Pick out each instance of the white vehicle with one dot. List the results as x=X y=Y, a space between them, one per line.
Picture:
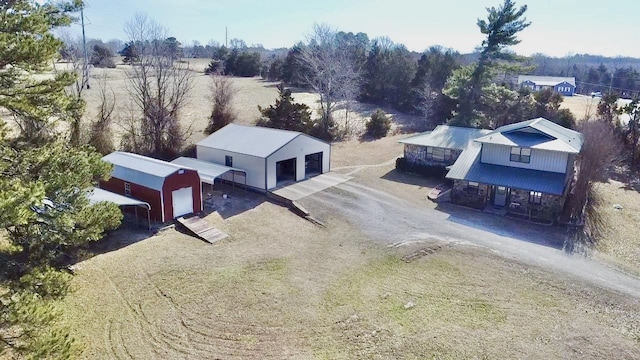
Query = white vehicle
x=596 y=94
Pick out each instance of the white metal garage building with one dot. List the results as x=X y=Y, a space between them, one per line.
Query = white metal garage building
x=270 y=157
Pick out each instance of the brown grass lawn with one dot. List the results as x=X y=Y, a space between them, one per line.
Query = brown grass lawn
x=280 y=287
x=289 y=289
x=620 y=239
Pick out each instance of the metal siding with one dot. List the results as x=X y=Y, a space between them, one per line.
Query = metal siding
x=150 y=196
x=540 y=159
x=254 y=166
x=298 y=148
x=177 y=181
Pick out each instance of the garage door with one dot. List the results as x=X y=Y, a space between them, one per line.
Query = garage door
x=182 y=202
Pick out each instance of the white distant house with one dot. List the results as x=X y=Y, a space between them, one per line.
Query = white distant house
x=563 y=85
x=269 y=157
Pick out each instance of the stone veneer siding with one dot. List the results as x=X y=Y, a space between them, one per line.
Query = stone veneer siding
x=549 y=208
x=417 y=155
x=461 y=195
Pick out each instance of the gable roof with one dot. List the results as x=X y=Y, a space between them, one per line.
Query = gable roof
x=469 y=168
x=444 y=136
x=140 y=169
x=546 y=80
x=550 y=136
x=250 y=140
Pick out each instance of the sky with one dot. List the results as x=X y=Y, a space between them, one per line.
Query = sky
x=558 y=27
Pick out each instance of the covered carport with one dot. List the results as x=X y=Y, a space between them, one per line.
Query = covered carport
x=97 y=195
x=209 y=171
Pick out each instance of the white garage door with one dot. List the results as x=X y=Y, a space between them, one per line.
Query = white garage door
x=182 y=202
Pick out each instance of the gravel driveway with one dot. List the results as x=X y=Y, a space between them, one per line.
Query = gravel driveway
x=385 y=218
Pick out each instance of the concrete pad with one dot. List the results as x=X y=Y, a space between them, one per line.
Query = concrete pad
x=310 y=186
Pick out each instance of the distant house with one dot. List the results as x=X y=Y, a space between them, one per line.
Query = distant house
x=269 y=157
x=563 y=85
x=524 y=168
x=440 y=147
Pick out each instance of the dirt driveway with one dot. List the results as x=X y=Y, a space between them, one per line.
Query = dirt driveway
x=382 y=216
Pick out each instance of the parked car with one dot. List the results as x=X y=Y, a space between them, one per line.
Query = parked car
x=596 y=94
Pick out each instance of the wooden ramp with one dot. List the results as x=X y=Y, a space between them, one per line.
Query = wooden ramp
x=202 y=229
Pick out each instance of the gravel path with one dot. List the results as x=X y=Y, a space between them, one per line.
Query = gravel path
x=385 y=218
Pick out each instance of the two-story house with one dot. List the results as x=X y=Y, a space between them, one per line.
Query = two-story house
x=440 y=147
x=525 y=168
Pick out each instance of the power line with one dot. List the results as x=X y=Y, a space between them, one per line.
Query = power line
x=85 y=70
x=604 y=85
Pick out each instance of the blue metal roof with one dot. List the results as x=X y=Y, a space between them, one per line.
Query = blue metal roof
x=468 y=167
x=546 y=135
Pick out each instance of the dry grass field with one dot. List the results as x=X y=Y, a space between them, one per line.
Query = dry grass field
x=281 y=287
x=619 y=243
x=250 y=93
x=289 y=289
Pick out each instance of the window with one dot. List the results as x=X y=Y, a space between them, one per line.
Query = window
x=535 y=197
x=127 y=189
x=522 y=155
x=228 y=161
x=471 y=187
x=439 y=154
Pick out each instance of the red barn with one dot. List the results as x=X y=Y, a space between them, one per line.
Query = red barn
x=170 y=189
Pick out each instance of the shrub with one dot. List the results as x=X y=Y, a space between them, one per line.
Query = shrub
x=434 y=171
x=379 y=124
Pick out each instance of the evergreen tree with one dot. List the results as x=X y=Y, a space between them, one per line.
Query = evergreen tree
x=286 y=114
x=379 y=124
x=43 y=181
x=501 y=27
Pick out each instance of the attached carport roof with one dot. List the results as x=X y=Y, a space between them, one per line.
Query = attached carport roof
x=208 y=171
x=96 y=195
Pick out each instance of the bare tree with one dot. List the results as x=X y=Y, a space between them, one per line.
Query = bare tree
x=600 y=151
x=426 y=102
x=72 y=52
x=101 y=136
x=159 y=88
x=330 y=72
x=222 y=93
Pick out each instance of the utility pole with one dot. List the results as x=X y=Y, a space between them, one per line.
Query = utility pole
x=226 y=36
x=85 y=68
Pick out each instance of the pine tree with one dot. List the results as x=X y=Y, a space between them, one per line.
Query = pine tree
x=286 y=114
x=43 y=180
x=501 y=27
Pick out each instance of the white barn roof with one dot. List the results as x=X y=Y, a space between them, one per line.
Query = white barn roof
x=250 y=140
x=140 y=169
